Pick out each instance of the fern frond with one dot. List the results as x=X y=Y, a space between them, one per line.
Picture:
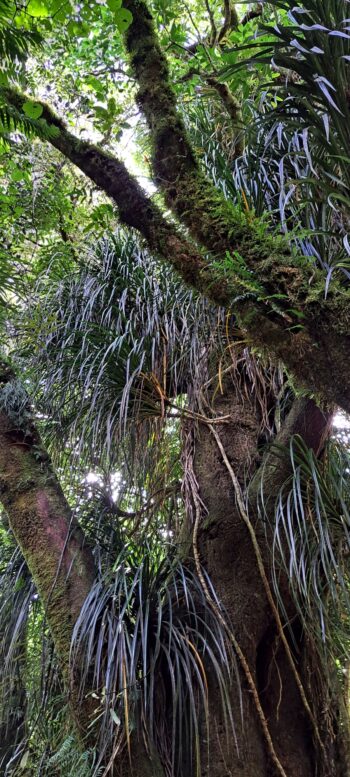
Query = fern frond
x=71 y=761
x=15 y=44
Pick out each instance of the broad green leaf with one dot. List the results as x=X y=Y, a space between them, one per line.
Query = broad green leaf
x=32 y=109
x=77 y=29
x=17 y=174
x=123 y=19
x=95 y=83
x=60 y=9
x=38 y=8
x=112 y=105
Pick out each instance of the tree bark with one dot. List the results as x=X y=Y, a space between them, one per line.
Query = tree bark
x=228 y=555
x=49 y=537
x=269 y=266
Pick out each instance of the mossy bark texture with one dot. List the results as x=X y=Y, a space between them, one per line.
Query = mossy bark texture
x=135 y=208
x=54 y=549
x=50 y=539
x=228 y=555
x=303 y=327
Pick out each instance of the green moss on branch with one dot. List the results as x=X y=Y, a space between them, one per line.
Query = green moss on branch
x=288 y=314
x=269 y=288
x=50 y=539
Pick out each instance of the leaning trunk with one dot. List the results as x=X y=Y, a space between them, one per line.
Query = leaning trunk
x=47 y=533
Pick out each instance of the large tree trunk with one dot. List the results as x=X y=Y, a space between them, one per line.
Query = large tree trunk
x=227 y=552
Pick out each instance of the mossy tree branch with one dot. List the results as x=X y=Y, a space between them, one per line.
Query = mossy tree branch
x=232 y=238
x=211 y=220
x=225 y=231
x=231 y=20
x=135 y=208
x=138 y=211
x=48 y=535
x=54 y=548
x=233 y=109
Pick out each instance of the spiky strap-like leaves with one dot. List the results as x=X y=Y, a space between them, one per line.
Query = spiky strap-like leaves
x=147 y=637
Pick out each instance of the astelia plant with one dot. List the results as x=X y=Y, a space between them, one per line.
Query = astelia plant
x=146 y=639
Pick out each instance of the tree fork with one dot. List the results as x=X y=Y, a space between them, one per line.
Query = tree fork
x=308 y=349
x=303 y=320
x=227 y=553
x=212 y=221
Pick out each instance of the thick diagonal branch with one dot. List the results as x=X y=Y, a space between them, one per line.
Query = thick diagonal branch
x=227 y=232
x=308 y=352
x=231 y=20
x=212 y=221
x=135 y=208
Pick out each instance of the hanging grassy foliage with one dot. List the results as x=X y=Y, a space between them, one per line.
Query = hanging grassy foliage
x=146 y=638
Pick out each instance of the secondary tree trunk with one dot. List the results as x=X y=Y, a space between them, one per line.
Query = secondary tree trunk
x=227 y=553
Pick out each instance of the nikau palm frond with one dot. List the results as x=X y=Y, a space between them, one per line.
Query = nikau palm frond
x=145 y=639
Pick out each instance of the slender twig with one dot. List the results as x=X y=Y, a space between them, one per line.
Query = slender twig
x=230 y=21
x=213 y=37
x=254 y=13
